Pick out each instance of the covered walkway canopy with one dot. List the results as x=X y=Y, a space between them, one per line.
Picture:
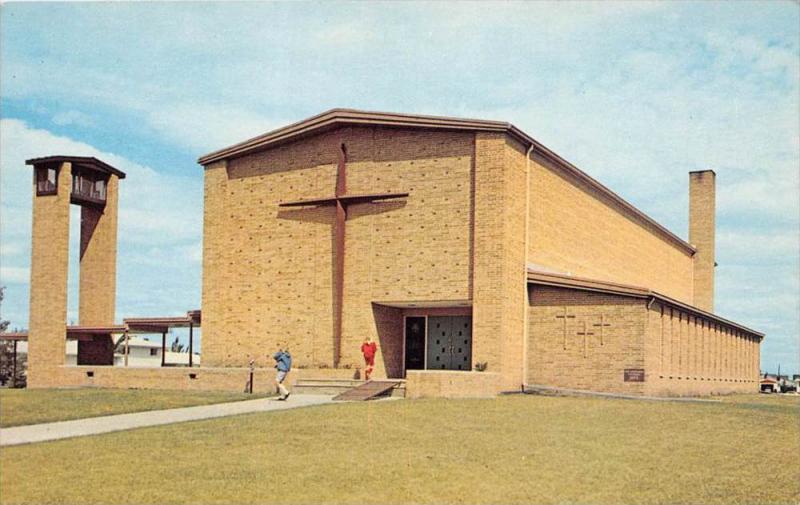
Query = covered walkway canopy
x=161 y=325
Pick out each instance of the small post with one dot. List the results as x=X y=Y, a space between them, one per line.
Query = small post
x=126 y=347
x=252 y=367
x=14 y=367
x=191 y=345
x=163 y=347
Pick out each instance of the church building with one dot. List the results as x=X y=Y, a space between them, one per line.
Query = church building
x=477 y=259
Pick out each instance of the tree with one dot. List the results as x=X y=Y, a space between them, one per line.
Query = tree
x=177 y=346
x=3 y=323
x=10 y=369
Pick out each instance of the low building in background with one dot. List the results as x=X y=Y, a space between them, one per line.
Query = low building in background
x=144 y=353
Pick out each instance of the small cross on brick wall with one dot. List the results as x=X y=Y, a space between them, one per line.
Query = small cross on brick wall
x=585 y=333
x=602 y=325
x=565 y=316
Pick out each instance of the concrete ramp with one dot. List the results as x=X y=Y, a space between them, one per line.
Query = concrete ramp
x=367 y=391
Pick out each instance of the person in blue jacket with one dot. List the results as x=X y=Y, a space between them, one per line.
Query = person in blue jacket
x=283 y=363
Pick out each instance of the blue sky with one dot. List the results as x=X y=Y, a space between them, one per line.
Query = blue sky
x=635 y=93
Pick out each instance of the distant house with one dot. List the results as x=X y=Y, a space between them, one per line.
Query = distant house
x=769 y=385
x=142 y=353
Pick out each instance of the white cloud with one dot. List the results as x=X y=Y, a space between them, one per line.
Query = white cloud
x=736 y=49
x=758 y=245
x=9 y=248
x=16 y=275
x=346 y=34
x=73 y=117
x=206 y=127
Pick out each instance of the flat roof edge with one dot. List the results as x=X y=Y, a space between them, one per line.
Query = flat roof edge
x=586 y=284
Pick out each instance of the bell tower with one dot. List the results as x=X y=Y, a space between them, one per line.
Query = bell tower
x=59 y=181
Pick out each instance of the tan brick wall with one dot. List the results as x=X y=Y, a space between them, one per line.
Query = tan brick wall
x=449 y=384
x=489 y=250
x=702 y=222
x=215 y=263
x=574 y=229
x=558 y=356
x=514 y=273
x=98 y=261
x=691 y=355
x=205 y=378
x=499 y=261
x=267 y=270
x=48 y=296
x=389 y=325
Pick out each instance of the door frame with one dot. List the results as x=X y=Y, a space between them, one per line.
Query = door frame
x=425 y=354
x=433 y=311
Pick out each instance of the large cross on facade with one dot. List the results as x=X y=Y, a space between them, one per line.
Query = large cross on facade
x=340 y=200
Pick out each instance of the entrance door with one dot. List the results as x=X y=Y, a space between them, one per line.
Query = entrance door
x=415 y=343
x=449 y=343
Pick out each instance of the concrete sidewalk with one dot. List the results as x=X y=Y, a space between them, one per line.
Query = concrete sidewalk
x=106 y=424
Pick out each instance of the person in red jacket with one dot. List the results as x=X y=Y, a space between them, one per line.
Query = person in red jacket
x=368 y=349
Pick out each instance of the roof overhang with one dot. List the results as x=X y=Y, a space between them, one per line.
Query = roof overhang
x=89 y=162
x=73 y=332
x=14 y=335
x=424 y=304
x=585 y=284
x=349 y=117
x=162 y=324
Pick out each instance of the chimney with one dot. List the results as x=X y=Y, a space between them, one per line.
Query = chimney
x=702 y=209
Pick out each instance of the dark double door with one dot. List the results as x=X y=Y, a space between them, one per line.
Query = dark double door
x=438 y=343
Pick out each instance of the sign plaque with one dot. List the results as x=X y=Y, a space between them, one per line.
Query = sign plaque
x=634 y=375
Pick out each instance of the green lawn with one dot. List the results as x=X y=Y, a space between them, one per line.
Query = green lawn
x=30 y=406
x=514 y=449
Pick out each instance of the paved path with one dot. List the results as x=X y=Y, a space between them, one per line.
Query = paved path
x=106 y=424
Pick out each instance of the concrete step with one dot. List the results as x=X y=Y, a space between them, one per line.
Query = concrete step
x=339 y=386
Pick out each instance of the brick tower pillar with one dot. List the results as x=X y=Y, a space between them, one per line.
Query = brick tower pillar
x=702 y=209
x=91 y=184
x=98 y=277
x=98 y=260
x=49 y=264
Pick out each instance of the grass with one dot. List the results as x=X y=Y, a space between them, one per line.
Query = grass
x=31 y=406
x=514 y=449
